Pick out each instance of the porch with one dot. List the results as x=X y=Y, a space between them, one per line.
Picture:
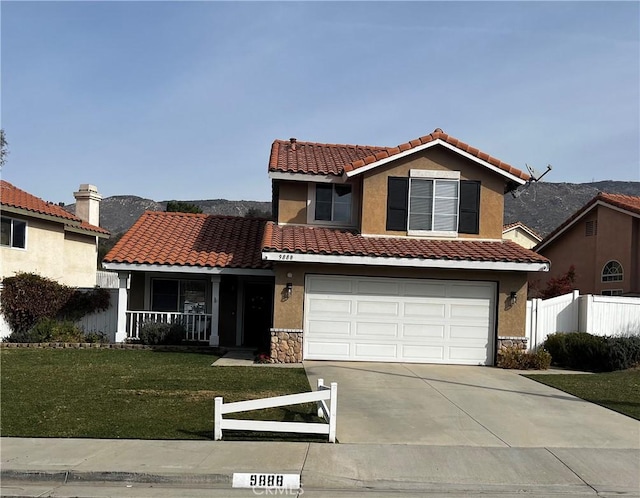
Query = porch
x=197 y=325
x=230 y=309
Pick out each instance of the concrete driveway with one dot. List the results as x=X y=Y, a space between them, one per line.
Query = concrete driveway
x=464 y=405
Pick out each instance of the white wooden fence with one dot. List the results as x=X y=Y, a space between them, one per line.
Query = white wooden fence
x=328 y=412
x=104 y=322
x=598 y=315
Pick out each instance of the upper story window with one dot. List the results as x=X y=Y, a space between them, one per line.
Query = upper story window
x=14 y=233
x=612 y=272
x=433 y=203
x=333 y=203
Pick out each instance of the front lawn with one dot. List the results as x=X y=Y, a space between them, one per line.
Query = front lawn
x=618 y=391
x=141 y=394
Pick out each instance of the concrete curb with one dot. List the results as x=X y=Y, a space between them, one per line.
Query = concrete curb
x=64 y=477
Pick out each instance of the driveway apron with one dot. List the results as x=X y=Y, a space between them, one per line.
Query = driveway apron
x=453 y=405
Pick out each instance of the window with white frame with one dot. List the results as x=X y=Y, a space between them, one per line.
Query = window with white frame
x=612 y=272
x=13 y=233
x=333 y=203
x=433 y=205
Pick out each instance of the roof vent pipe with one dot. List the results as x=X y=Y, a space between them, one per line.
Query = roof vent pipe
x=293 y=143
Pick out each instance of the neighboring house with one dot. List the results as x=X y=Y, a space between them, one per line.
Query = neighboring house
x=602 y=241
x=41 y=237
x=521 y=234
x=381 y=254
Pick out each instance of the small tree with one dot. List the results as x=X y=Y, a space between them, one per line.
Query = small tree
x=182 y=207
x=257 y=213
x=558 y=286
x=3 y=148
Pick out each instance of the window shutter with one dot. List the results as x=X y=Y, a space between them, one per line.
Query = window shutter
x=397 y=200
x=469 y=207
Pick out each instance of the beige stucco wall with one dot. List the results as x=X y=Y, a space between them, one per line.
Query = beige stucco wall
x=292 y=204
x=520 y=237
x=616 y=239
x=67 y=258
x=289 y=314
x=374 y=191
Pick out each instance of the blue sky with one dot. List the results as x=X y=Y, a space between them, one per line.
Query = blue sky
x=182 y=100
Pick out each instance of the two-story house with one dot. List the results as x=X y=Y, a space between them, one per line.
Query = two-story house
x=602 y=242
x=374 y=253
x=42 y=237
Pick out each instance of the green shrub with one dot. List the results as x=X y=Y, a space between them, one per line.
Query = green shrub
x=154 y=333
x=622 y=352
x=578 y=350
x=515 y=357
x=28 y=298
x=584 y=351
x=51 y=330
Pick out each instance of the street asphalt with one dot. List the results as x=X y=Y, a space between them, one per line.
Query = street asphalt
x=495 y=453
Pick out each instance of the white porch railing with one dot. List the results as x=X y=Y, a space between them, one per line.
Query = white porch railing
x=198 y=325
x=328 y=412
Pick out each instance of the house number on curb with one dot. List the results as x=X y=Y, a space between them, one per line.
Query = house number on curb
x=286 y=481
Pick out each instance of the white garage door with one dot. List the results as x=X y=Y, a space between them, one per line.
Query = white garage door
x=398 y=319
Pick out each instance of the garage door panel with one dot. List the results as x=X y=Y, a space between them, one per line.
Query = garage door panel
x=424 y=310
x=376 y=351
x=329 y=285
x=374 y=287
x=325 y=349
x=468 y=332
x=462 y=354
x=372 y=329
x=398 y=319
x=335 y=306
x=425 y=289
x=382 y=308
x=480 y=310
x=422 y=330
x=330 y=328
x=418 y=352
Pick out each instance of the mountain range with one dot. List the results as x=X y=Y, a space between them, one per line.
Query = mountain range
x=542 y=206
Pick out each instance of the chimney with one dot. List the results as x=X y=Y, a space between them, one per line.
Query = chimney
x=88 y=204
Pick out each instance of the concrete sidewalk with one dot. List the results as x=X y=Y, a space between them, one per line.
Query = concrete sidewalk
x=347 y=467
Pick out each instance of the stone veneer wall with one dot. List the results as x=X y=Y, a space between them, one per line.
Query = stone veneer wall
x=286 y=345
x=508 y=342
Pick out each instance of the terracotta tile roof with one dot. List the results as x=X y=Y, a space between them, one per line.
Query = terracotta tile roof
x=329 y=241
x=12 y=196
x=160 y=238
x=332 y=159
x=314 y=158
x=626 y=202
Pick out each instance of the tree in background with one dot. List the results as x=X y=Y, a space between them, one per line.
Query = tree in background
x=257 y=213
x=557 y=286
x=182 y=207
x=3 y=148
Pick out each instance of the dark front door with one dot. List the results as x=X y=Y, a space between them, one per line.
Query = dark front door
x=258 y=305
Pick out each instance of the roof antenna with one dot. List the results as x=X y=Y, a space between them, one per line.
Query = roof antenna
x=533 y=179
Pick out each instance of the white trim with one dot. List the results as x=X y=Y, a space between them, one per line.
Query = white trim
x=422 y=147
x=434 y=233
x=417 y=237
x=582 y=215
x=306 y=177
x=186 y=269
x=289 y=257
x=434 y=173
x=524 y=228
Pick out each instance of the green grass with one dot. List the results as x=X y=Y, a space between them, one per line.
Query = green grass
x=618 y=391
x=140 y=394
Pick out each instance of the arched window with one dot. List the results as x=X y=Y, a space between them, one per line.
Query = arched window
x=612 y=272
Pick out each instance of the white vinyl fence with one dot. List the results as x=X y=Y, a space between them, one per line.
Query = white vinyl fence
x=104 y=322
x=598 y=315
x=326 y=411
